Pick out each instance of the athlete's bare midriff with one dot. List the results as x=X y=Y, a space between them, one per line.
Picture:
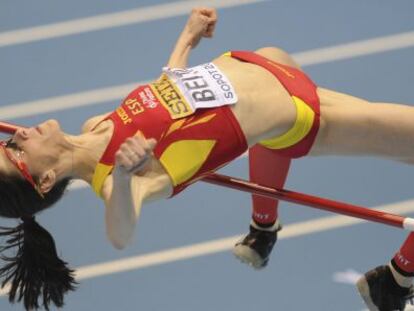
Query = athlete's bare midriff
x=264 y=108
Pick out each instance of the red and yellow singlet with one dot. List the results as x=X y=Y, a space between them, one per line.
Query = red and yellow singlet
x=189 y=144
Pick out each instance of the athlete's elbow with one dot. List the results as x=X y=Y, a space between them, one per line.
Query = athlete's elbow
x=119 y=235
x=119 y=229
x=119 y=242
x=119 y=245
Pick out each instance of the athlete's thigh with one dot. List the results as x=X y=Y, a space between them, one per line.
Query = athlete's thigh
x=353 y=126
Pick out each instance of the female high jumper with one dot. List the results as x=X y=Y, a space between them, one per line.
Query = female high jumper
x=168 y=134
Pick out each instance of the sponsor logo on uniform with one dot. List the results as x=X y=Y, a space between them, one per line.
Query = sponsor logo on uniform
x=130 y=107
x=285 y=71
x=261 y=216
x=123 y=115
x=171 y=98
x=220 y=80
x=404 y=261
x=148 y=98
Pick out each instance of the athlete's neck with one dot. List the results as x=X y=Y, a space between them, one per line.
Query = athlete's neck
x=86 y=152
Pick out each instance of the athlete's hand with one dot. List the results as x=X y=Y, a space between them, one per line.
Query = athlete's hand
x=201 y=23
x=133 y=155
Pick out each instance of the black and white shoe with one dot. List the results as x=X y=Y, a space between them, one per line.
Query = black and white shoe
x=255 y=248
x=381 y=292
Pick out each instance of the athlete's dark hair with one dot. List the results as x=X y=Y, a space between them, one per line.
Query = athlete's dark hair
x=35 y=270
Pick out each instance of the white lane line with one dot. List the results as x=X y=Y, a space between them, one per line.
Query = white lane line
x=111 y=20
x=57 y=103
x=224 y=244
x=101 y=95
x=349 y=276
x=357 y=48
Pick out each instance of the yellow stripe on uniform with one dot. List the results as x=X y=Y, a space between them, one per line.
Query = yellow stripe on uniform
x=182 y=159
x=302 y=126
x=99 y=176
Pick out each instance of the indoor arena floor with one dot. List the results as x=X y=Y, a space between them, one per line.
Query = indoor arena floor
x=74 y=59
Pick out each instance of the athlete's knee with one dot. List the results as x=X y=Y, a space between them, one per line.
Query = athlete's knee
x=278 y=55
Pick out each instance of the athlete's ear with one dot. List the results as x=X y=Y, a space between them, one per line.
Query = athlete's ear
x=47 y=180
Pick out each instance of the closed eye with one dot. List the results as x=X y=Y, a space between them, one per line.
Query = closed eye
x=12 y=145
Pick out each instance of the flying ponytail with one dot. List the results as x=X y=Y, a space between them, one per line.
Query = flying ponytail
x=29 y=262
x=36 y=269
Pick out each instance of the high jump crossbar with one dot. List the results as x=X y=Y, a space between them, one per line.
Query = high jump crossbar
x=356 y=211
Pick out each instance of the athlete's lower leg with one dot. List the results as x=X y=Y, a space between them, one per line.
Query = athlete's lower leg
x=388 y=287
x=403 y=262
x=268 y=169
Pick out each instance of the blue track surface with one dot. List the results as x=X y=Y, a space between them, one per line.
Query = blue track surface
x=300 y=274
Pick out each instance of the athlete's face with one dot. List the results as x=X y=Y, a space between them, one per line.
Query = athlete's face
x=36 y=147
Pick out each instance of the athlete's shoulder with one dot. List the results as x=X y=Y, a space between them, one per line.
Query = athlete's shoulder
x=92 y=122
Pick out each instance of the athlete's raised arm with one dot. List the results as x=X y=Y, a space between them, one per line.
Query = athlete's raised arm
x=125 y=191
x=201 y=23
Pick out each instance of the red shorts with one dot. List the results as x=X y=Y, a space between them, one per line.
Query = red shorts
x=298 y=141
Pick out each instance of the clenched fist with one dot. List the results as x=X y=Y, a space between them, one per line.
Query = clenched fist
x=201 y=23
x=133 y=154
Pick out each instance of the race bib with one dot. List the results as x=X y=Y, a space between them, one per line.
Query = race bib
x=171 y=97
x=203 y=86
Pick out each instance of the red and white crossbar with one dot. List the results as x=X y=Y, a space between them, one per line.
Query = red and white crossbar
x=8 y=128
x=406 y=223
x=312 y=201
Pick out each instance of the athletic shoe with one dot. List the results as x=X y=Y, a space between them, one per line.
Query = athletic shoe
x=381 y=292
x=255 y=248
